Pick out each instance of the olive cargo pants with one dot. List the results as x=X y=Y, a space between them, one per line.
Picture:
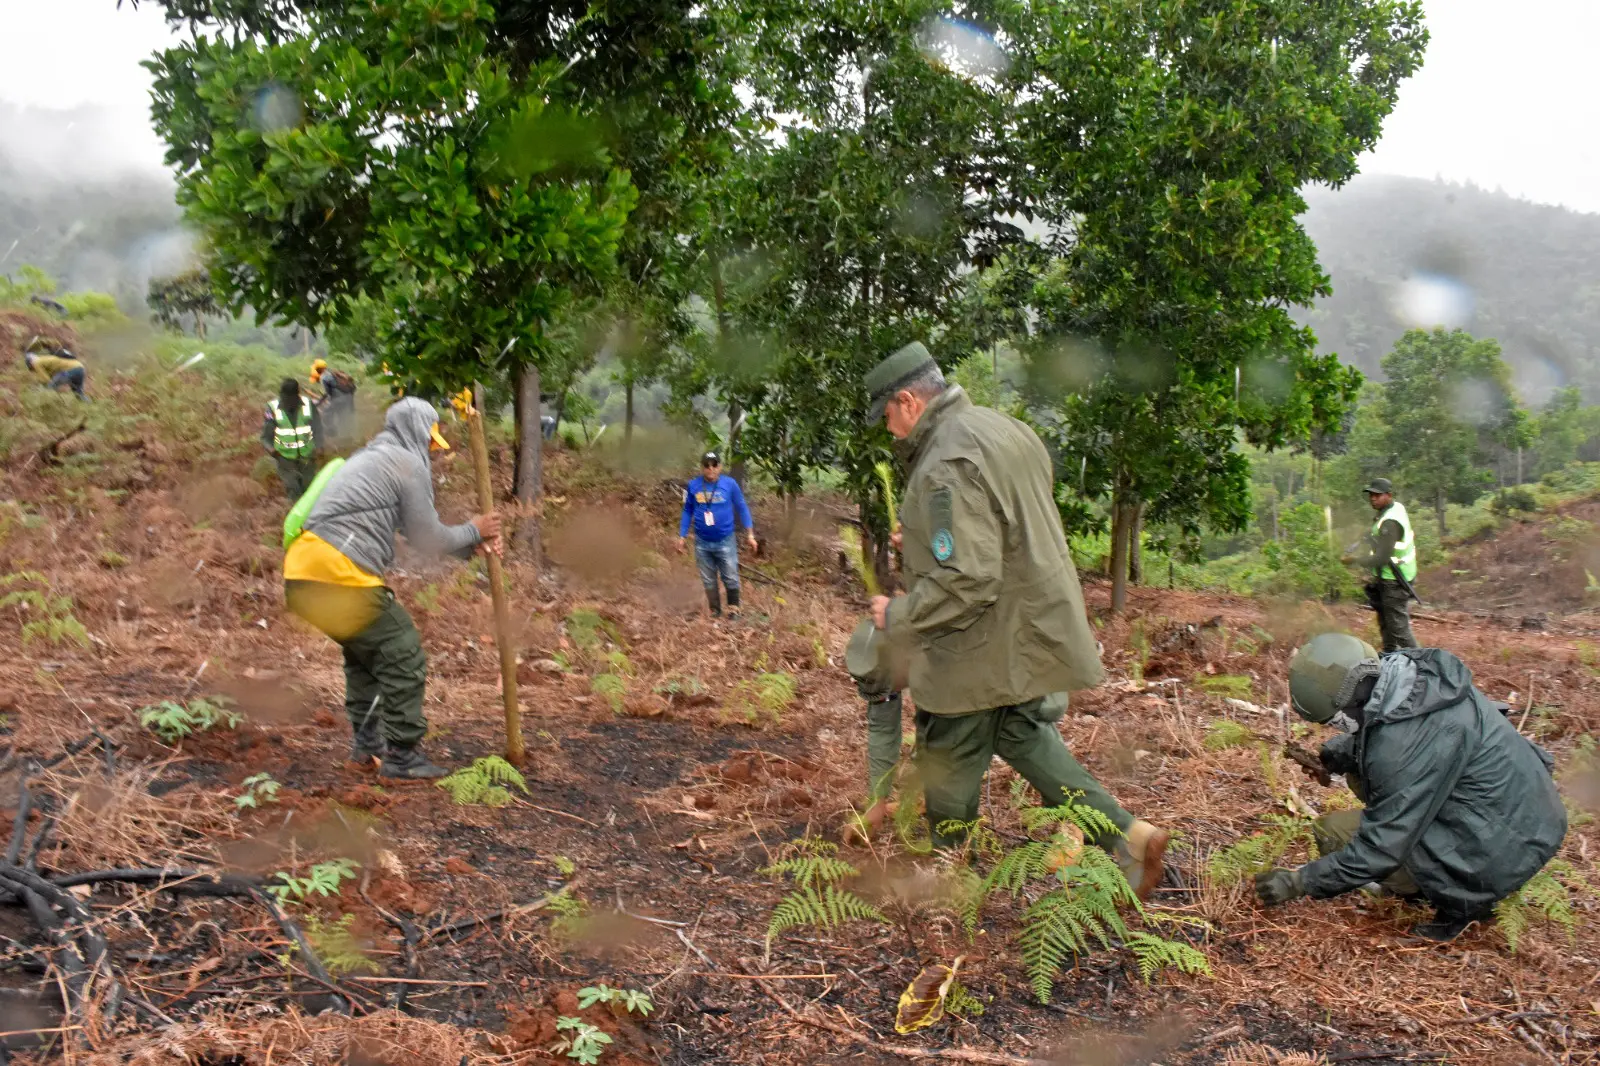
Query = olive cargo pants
x=1393 y=604
x=954 y=751
x=1335 y=829
x=883 y=746
x=296 y=475
x=385 y=668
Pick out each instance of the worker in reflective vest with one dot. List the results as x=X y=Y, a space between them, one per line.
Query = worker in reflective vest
x=1393 y=558
x=291 y=432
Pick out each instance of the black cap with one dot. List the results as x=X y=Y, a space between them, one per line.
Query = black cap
x=711 y=459
x=1379 y=486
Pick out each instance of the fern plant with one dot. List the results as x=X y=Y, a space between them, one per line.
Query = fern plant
x=812 y=864
x=1547 y=895
x=336 y=947
x=1084 y=905
x=483 y=783
x=1260 y=851
x=571 y=914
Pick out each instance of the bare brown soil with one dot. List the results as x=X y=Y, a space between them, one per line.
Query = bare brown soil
x=659 y=816
x=1543 y=565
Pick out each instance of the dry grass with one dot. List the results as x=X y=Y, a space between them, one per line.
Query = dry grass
x=1262 y=1055
x=105 y=823
x=255 y=1038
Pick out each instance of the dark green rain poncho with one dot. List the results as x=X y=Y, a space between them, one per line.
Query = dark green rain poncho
x=1453 y=792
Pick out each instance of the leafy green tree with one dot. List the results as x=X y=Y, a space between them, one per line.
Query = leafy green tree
x=466 y=167
x=1562 y=429
x=188 y=295
x=1176 y=167
x=1447 y=403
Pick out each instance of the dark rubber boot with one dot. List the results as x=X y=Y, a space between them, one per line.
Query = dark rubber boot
x=714 y=601
x=409 y=764
x=733 y=603
x=1446 y=927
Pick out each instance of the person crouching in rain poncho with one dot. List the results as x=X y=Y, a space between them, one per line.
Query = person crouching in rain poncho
x=1461 y=809
x=333 y=578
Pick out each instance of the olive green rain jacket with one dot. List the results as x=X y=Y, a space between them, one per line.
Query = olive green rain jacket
x=1454 y=793
x=993 y=614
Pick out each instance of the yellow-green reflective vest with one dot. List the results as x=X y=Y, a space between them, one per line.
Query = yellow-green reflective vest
x=1405 y=549
x=293 y=441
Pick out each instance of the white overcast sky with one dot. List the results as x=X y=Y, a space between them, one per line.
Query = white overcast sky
x=1508 y=97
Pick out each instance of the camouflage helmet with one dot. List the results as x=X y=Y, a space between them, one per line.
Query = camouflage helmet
x=1318 y=671
x=879 y=669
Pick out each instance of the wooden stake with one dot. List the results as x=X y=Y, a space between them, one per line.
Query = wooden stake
x=497 y=587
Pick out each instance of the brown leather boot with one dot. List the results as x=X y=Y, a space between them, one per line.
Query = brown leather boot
x=1139 y=855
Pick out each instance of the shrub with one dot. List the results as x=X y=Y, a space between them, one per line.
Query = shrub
x=1303 y=563
x=1514 y=499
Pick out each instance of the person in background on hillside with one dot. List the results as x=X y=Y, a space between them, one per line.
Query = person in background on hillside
x=291 y=432
x=338 y=404
x=1391 y=554
x=711 y=502
x=993 y=622
x=57 y=369
x=1461 y=809
x=333 y=578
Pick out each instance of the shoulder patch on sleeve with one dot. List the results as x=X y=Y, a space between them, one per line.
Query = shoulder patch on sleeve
x=941 y=509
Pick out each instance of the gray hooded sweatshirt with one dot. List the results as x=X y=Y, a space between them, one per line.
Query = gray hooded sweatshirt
x=387 y=488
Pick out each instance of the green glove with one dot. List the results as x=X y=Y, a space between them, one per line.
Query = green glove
x=1279 y=886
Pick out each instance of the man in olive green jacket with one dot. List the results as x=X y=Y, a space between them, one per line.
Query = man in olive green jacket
x=994 y=617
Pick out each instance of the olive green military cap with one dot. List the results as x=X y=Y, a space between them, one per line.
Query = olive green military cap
x=894 y=374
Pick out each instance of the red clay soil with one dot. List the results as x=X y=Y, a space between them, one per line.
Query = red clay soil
x=660 y=817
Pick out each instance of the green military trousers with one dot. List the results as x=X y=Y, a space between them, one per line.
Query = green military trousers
x=1335 y=829
x=385 y=668
x=883 y=746
x=1392 y=603
x=296 y=475
x=954 y=751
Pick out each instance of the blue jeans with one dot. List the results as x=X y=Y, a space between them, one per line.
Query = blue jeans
x=718 y=557
x=72 y=379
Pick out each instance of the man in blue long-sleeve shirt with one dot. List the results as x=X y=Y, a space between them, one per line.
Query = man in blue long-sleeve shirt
x=711 y=502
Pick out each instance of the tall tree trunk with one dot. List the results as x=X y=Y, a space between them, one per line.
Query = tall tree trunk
x=1136 y=546
x=719 y=302
x=305 y=341
x=627 y=425
x=200 y=325
x=1438 y=509
x=876 y=552
x=1121 y=524
x=737 y=467
x=528 y=475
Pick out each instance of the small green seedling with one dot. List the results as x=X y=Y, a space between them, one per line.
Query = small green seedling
x=172 y=721
x=633 y=1002
x=586 y=1042
x=258 y=789
x=324 y=879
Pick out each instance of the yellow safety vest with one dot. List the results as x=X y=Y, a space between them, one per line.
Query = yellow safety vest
x=1405 y=549
x=293 y=440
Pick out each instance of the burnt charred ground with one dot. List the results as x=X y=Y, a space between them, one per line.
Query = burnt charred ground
x=657 y=803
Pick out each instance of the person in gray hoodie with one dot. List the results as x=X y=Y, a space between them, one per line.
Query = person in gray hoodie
x=333 y=578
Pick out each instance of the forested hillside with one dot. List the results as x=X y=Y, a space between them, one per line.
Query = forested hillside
x=1530 y=271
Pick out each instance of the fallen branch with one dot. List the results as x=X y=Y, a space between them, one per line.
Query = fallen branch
x=318 y=972
x=761 y=575
x=493 y=916
x=50 y=455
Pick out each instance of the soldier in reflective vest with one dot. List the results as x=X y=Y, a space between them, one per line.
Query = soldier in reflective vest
x=291 y=432
x=1392 y=556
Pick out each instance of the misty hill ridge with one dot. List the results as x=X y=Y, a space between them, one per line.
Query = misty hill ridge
x=1533 y=272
